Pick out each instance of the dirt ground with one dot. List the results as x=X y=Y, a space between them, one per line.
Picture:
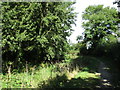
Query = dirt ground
x=106 y=77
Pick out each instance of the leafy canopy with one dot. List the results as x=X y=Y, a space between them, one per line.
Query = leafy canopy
x=36 y=30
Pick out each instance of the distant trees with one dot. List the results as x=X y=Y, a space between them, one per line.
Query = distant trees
x=36 y=31
x=101 y=32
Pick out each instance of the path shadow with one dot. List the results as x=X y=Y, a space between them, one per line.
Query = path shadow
x=112 y=68
x=63 y=82
x=91 y=64
x=87 y=63
x=84 y=63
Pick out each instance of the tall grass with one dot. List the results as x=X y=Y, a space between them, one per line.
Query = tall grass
x=40 y=76
x=28 y=79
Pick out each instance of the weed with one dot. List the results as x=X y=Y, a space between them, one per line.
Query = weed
x=63 y=74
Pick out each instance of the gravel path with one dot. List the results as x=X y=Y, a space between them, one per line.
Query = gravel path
x=105 y=81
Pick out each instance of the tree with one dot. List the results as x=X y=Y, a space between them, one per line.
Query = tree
x=36 y=30
x=99 y=23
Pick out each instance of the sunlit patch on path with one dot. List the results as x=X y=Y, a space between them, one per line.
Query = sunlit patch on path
x=105 y=81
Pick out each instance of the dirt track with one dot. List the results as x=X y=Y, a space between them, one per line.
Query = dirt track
x=105 y=81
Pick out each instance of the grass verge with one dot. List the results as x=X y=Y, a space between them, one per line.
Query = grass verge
x=74 y=72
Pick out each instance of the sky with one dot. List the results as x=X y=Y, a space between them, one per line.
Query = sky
x=80 y=6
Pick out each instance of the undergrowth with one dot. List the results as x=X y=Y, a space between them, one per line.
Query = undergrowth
x=72 y=72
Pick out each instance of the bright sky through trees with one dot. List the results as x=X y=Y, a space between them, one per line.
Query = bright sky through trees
x=80 y=7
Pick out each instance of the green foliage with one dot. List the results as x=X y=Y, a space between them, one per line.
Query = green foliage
x=63 y=74
x=100 y=24
x=79 y=38
x=36 y=31
x=28 y=80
